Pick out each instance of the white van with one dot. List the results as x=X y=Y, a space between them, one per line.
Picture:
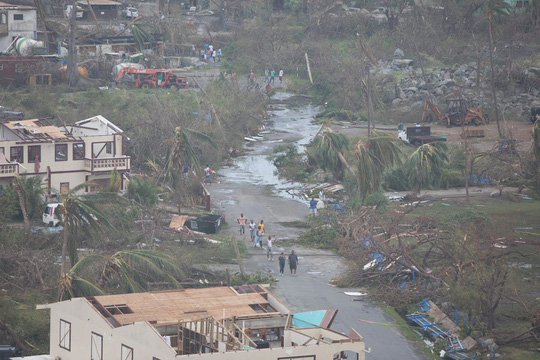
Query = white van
x=49 y=216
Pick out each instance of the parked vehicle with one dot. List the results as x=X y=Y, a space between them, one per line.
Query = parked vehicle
x=130 y=13
x=150 y=78
x=419 y=135
x=50 y=216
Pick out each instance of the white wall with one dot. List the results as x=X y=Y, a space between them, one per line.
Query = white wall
x=21 y=28
x=143 y=338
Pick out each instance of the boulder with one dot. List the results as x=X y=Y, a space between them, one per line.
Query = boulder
x=402 y=63
x=396 y=101
x=487 y=343
x=399 y=54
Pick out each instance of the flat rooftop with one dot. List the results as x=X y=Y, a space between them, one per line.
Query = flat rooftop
x=160 y=307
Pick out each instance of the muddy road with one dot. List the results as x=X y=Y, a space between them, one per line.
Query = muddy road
x=251 y=186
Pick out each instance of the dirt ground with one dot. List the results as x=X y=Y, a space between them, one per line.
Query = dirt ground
x=521 y=131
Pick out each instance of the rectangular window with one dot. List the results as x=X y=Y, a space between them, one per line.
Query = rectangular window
x=96 y=352
x=16 y=154
x=78 y=151
x=65 y=335
x=18 y=17
x=1 y=67
x=108 y=148
x=2 y=150
x=18 y=67
x=60 y=152
x=64 y=187
x=126 y=353
x=34 y=153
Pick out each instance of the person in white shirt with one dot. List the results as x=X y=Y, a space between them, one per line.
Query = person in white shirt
x=269 y=254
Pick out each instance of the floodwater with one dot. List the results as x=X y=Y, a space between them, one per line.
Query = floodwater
x=288 y=124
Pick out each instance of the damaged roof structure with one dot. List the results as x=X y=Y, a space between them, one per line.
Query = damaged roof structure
x=221 y=323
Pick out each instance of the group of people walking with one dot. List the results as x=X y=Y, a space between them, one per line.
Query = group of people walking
x=256 y=232
x=207 y=52
x=270 y=74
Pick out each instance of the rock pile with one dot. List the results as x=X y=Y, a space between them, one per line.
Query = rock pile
x=461 y=80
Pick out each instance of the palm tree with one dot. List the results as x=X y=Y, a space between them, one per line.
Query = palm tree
x=77 y=212
x=134 y=268
x=375 y=155
x=33 y=191
x=22 y=202
x=425 y=164
x=327 y=151
x=72 y=284
x=130 y=269
x=182 y=151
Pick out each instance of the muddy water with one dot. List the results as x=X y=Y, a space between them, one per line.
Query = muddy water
x=288 y=123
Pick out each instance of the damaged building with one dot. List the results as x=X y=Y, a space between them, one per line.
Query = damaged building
x=220 y=323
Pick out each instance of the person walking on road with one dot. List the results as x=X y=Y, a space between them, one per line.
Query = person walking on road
x=272 y=76
x=242 y=222
x=258 y=237
x=280 y=76
x=293 y=262
x=261 y=225
x=269 y=254
x=252 y=230
x=266 y=74
x=313 y=206
x=219 y=54
x=281 y=260
x=207 y=174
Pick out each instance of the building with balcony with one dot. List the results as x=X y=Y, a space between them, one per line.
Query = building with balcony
x=221 y=323
x=65 y=156
x=16 y=21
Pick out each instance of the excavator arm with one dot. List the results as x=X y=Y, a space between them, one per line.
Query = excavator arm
x=431 y=106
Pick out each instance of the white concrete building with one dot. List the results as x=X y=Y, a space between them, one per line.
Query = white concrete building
x=16 y=21
x=222 y=323
x=64 y=156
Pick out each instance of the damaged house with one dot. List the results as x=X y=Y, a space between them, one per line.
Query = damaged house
x=220 y=323
x=65 y=156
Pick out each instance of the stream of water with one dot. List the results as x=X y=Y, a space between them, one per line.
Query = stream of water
x=288 y=124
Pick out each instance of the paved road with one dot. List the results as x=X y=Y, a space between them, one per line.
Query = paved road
x=247 y=187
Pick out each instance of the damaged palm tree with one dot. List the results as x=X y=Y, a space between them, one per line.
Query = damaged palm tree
x=183 y=152
x=327 y=151
x=375 y=155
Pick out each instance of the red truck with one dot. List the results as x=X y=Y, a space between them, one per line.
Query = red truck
x=154 y=78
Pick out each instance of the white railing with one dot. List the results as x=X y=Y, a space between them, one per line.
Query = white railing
x=106 y=164
x=9 y=170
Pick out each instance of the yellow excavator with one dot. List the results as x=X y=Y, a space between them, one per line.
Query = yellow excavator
x=458 y=113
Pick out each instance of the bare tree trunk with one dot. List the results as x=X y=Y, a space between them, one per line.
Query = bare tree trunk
x=493 y=91
x=344 y=162
x=369 y=102
x=63 y=269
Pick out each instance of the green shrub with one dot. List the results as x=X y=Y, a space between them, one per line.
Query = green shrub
x=143 y=190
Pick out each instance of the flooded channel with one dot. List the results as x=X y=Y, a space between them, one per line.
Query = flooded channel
x=289 y=123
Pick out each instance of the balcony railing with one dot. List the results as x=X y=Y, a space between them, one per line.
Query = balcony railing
x=8 y=170
x=107 y=164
